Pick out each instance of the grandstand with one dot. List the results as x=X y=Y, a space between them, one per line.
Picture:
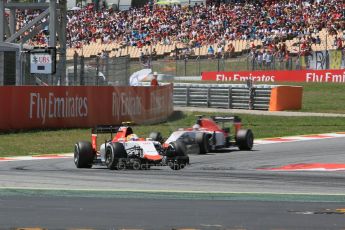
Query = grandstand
x=293 y=46
x=294 y=25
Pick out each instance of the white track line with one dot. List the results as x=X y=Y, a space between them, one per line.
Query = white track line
x=298 y=138
x=38 y=157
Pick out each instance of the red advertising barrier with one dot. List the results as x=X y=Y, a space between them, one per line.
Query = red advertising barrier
x=28 y=107
x=336 y=76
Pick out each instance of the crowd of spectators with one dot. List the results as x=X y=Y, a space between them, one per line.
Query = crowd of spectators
x=201 y=25
x=23 y=17
x=206 y=24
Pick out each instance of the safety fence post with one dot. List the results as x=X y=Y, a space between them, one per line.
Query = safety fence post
x=230 y=97
x=208 y=96
x=97 y=70
x=187 y=95
x=82 y=70
x=75 y=68
x=107 y=68
x=251 y=94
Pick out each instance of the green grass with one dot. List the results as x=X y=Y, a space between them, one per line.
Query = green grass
x=62 y=141
x=323 y=98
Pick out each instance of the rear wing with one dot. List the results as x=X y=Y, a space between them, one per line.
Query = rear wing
x=105 y=129
x=234 y=119
x=102 y=129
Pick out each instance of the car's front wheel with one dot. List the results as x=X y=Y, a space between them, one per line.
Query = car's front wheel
x=176 y=155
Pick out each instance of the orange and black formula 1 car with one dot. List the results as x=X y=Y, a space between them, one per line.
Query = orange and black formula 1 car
x=127 y=150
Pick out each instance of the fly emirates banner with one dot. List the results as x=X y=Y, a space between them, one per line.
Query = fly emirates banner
x=27 y=107
x=334 y=76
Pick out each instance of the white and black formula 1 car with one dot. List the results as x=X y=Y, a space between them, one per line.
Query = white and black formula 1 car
x=126 y=150
x=208 y=135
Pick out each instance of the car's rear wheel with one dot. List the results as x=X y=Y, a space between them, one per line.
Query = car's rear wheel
x=83 y=154
x=204 y=142
x=245 y=139
x=113 y=153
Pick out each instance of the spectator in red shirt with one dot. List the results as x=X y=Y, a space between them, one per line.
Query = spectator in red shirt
x=154 y=81
x=339 y=44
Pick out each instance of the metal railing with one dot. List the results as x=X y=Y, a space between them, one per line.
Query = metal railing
x=195 y=65
x=98 y=70
x=230 y=96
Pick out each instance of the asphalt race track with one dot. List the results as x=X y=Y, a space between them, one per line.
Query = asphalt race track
x=223 y=190
x=230 y=171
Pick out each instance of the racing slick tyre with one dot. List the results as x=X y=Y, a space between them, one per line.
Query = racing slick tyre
x=176 y=148
x=83 y=154
x=245 y=139
x=176 y=155
x=156 y=136
x=203 y=142
x=113 y=153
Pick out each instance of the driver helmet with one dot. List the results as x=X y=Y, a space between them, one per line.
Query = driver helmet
x=196 y=126
x=132 y=137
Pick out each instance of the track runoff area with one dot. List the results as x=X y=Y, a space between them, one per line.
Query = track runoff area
x=283 y=183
